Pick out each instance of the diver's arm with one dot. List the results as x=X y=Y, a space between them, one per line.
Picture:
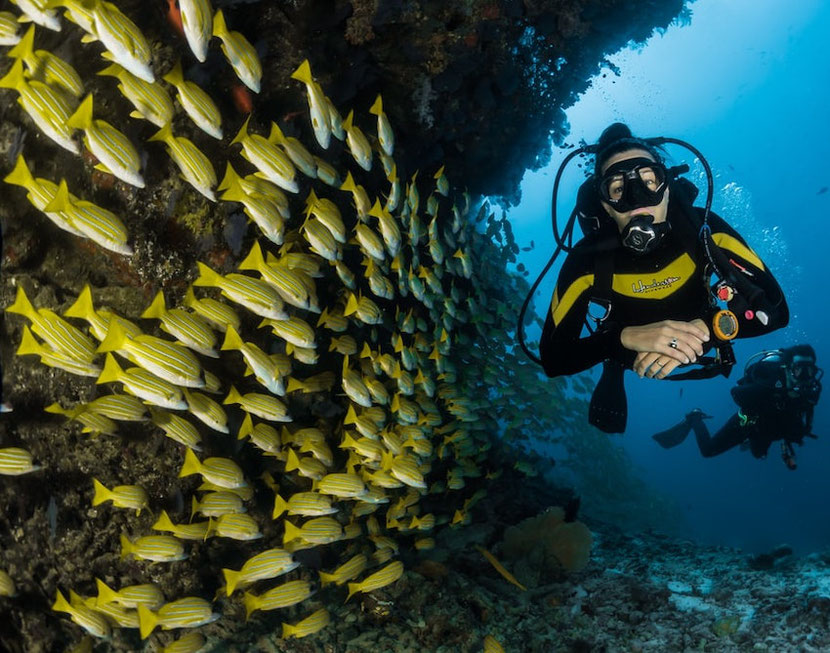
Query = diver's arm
x=752 y=279
x=563 y=350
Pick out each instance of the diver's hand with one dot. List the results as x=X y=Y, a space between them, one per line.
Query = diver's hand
x=657 y=337
x=653 y=365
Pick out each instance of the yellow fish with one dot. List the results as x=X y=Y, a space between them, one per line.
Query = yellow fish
x=221 y=471
x=112 y=148
x=196 y=169
x=47 y=67
x=196 y=103
x=91 y=221
x=268 y=564
x=122 y=496
x=386 y=576
x=124 y=42
x=316 y=104
x=91 y=621
x=385 y=135
x=313 y=623
x=197 y=21
x=282 y=596
x=272 y=163
x=239 y=52
x=15 y=461
x=9 y=29
x=150 y=100
x=40 y=12
x=359 y=147
x=46 y=106
x=189 y=612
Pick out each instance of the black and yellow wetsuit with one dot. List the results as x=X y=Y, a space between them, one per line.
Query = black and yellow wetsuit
x=664 y=285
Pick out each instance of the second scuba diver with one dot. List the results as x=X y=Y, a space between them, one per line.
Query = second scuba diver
x=643 y=273
x=776 y=397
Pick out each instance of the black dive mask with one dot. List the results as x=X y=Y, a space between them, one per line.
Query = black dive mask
x=642 y=236
x=633 y=184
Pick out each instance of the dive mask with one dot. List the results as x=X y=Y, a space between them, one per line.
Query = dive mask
x=633 y=183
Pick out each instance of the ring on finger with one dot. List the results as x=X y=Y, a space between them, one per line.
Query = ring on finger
x=673 y=343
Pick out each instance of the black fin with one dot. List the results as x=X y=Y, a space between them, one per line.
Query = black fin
x=673 y=436
x=608 y=410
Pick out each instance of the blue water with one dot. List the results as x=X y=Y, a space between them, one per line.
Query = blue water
x=747 y=84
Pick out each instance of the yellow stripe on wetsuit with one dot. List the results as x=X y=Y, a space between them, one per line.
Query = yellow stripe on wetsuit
x=735 y=246
x=645 y=285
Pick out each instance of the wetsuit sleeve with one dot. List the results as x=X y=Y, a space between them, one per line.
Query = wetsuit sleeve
x=563 y=350
x=756 y=286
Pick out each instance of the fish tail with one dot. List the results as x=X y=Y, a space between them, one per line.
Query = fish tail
x=242 y=134
x=354 y=588
x=165 y=134
x=254 y=260
x=112 y=371
x=147 y=621
x=28 y=344
x=207 y=276
x=276 y=136
x=220 y=28
x=190 y=297
x=115 y=339
x=293 y=461
x=251 y=604
x=288 y=630
x=327 y=579
x=294 y=385
x=157 y=307
x=291 y=531
x=82 y=307
x=164 y=523
x=348 y=184
x=194 y=507
x=233 y=395
x=22 y=306
x=231 y=580
x=232 y=341
x=82 y=118
x=303 y=73
x=113 y=70
x=191 y=464
x=280 y=506
x=126 y=546
x=247 y=426
x=101 y=493
x=61 y=604
x=174 y=76
x=105 y=593
x=23 y=49
x=60 y=202
x=347 y=123
x=377 y=107
x=20 y=174
x=14 y=78
x=230 y=182
x=351 y=305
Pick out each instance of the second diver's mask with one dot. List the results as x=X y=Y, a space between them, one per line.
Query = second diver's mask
x=805 y=378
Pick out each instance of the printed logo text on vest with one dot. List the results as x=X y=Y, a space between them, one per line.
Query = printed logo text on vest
x=641 y=287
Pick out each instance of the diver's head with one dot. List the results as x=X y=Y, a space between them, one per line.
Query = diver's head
x=804 y=375
x=633 y=188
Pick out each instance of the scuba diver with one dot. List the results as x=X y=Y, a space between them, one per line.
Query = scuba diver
x=776 y=397
x=643 y=274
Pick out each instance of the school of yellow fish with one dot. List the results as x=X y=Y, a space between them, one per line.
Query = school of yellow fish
x=410 y=341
